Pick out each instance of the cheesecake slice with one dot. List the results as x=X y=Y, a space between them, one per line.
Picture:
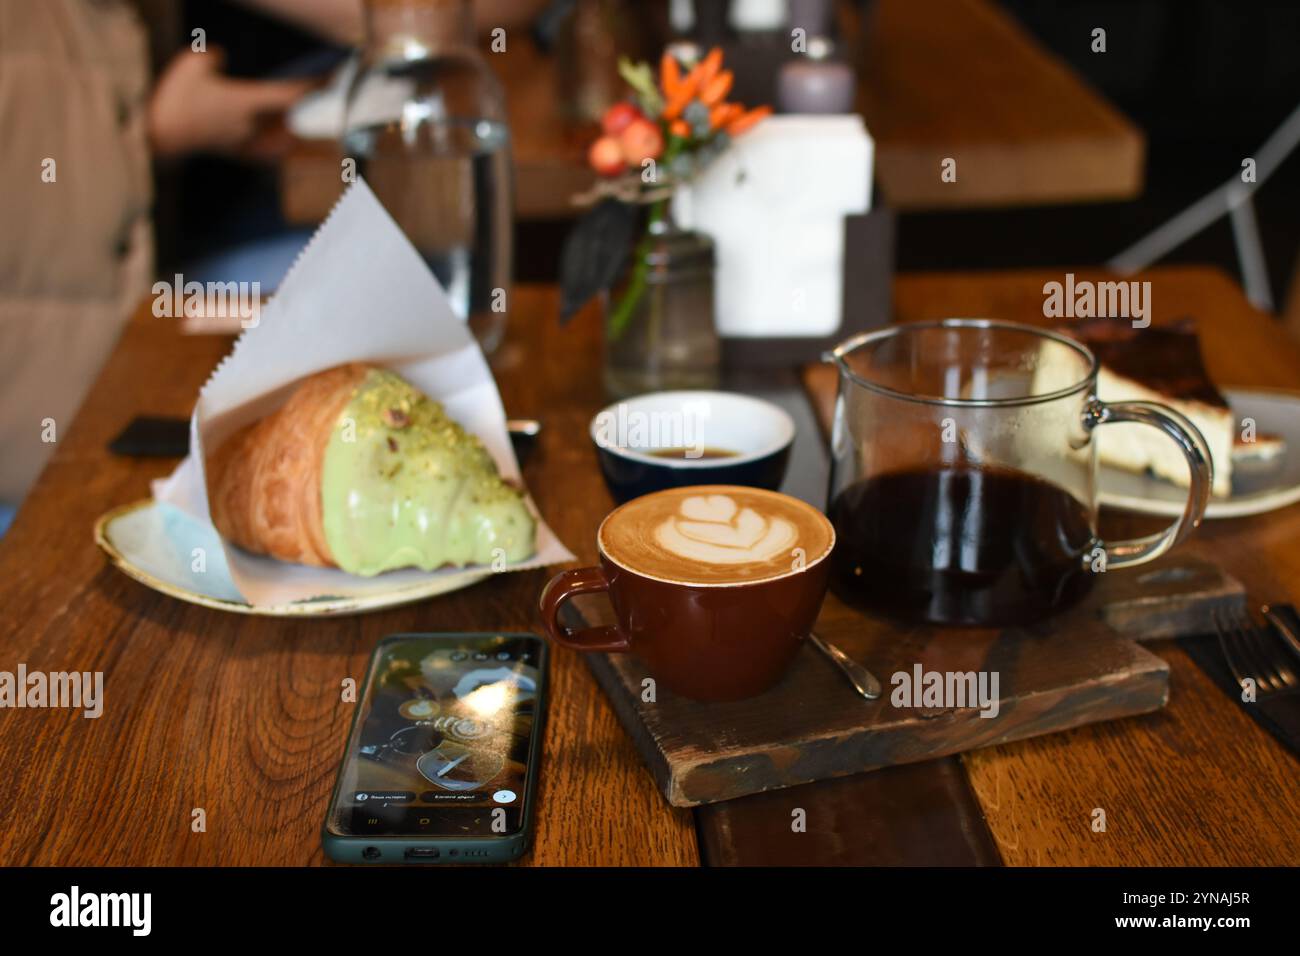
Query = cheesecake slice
x=1260 y=453
x=1160 y=364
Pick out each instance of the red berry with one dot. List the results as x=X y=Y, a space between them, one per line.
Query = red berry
x=642 y=140
x=618 y=117
x=606 y=156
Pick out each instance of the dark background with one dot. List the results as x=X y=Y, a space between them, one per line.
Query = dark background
x=1207 y=80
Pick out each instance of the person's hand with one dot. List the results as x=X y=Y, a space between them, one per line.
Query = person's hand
x=195 y=108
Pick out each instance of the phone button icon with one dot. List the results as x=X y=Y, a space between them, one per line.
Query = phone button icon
x=385 y=796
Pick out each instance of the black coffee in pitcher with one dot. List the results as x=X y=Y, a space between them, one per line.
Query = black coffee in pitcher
x=958 y=544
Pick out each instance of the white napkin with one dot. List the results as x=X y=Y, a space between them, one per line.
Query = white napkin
x=359 y=292
x=321 y=114
x=774 y=204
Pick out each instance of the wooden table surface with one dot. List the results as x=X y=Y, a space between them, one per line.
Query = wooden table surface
x=937 y=79
x=1199 y=782
x=961 y=79
x=242 y=717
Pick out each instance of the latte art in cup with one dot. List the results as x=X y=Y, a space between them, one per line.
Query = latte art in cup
x=716 y=534
x=713 y=587
x=713 y=529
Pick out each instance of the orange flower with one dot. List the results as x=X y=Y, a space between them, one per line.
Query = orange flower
x=708 y=82
x=710 y=66
x=715 y=90
x=685 y=92
x=747 y=120
x=670 y=75
x=724 y=113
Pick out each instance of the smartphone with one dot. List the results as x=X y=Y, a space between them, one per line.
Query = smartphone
x=442 y=757
x=150 y=437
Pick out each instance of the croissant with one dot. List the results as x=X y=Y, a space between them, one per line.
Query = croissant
x=360 y=470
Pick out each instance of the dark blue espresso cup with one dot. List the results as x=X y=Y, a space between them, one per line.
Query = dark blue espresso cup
x=674 y=439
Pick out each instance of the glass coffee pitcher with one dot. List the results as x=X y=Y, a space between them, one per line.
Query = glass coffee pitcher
x=964 y=475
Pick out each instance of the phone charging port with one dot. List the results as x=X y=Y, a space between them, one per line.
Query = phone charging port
x=422 y=853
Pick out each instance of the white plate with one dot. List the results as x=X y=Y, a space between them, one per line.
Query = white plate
x=154 y=544
x=1264 y=487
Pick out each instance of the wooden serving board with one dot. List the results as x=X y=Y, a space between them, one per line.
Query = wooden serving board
x=1079 y=667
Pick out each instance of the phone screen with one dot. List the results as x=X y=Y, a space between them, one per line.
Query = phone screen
x=442 y=743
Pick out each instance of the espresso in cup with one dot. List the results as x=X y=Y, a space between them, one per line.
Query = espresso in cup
x=713 y=587
x=680 y=439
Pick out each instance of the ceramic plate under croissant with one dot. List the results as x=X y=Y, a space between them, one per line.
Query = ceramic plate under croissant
x=156 y=544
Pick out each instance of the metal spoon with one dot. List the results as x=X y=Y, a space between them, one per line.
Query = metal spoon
x=863 y=681
x=523 y=435
x=525 y=427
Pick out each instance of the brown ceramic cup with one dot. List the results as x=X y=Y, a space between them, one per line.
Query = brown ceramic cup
x=701 y=638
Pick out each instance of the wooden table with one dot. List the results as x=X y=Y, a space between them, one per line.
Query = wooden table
x=1172 y=784
x=242 y=717
x=960 y=79
x=938 y=79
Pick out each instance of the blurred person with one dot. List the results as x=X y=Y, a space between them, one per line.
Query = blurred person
x=81 y=120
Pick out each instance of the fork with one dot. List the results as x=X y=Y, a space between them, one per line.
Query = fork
x=1255 y=652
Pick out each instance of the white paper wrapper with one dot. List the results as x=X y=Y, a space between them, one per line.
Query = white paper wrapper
x=359 y=292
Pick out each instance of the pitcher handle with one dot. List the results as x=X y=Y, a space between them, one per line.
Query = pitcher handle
x=1127 y=554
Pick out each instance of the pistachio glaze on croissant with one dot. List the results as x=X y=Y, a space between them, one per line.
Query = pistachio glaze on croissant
x=362 y=471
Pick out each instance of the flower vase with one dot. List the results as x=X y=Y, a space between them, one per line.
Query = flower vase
x=659 y=328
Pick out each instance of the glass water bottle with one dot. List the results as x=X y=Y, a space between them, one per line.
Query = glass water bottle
x=426 y=123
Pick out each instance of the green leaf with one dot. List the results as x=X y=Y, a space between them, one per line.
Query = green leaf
x=594 y=253
x=622 y=311
x=641 y=77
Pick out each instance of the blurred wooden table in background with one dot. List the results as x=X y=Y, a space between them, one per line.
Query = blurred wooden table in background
x=962 y=79
x=938 y=79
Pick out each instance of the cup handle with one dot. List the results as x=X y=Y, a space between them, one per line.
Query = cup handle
x=568 y=584
x=1127 y=554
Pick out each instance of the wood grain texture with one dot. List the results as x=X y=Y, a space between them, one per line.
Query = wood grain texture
x=961 y=79
x=242 y=716
x=1199 y=782
x=918 y=814
x=1174 y=597
x=1069 y=670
